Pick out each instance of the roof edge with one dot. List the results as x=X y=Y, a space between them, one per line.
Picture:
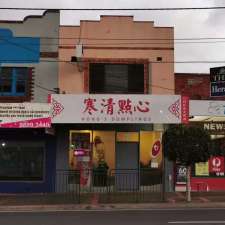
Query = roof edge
x=30 y=17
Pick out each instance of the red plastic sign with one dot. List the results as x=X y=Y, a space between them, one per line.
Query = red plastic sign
x=156 y=149
x=216 y=165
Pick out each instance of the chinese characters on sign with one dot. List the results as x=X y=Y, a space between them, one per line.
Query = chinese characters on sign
x=185 y=109
x=118 y=108
x=125 y=109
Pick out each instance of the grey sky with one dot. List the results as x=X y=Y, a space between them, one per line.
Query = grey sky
x=187 y=24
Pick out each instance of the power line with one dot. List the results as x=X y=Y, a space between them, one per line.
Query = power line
x=126 y=39
x=123 y=43
x=118 y=9
x=23 y=45
x=158 y=86
x=119 y=43
x=17 y=45
x=44 y=88
x=57 y=61
x=175 y=40
x=156 y=62
x=138 y=39
x=20 y=46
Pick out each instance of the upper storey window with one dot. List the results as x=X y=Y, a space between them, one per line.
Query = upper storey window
x=14 y=81
x=116 y=78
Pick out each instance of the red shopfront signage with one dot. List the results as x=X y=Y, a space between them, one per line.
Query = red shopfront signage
x=216 y=165
x=119 y=109
x=156 y=148
x=185 y=109
x=25 y=115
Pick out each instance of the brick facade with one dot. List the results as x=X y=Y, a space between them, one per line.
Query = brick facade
x=196 y=86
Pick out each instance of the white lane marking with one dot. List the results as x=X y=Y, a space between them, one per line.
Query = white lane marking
x=198 y=222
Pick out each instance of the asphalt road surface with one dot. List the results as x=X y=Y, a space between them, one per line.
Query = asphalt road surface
x=124 y=217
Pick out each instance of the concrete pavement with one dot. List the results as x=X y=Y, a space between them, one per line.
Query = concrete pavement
x=173 y=200
x=110 y=207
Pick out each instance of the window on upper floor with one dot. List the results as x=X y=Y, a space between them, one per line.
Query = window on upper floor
x=14 y=81
x=116 y=78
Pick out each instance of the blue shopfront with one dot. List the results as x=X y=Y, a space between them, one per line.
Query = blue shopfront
x=27 y=155
x=27 y=161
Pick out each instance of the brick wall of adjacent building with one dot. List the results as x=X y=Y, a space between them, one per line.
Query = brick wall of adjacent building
x=194 y=85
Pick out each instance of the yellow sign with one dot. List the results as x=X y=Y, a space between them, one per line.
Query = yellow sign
x=147 y=141
x=202 y=169
x=127 y=137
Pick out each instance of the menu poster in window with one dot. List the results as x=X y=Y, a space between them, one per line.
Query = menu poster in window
x=82 y=152
x=181 y=174
x=202 y=169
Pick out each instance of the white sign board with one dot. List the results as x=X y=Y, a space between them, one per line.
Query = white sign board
x=97 y=108
x=207 y=108
x=25 y=115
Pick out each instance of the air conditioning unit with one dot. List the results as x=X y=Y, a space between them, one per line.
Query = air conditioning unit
x=79 y=50
x=78 y=57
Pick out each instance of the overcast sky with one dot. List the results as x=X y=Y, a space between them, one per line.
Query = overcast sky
x=187 y=24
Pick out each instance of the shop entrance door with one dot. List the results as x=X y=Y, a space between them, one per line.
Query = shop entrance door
x=127 y=166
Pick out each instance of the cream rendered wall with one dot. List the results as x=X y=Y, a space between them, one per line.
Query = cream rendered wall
x=119 y=30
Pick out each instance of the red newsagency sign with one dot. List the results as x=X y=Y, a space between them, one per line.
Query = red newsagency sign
x=216 y=165
x=184 y=109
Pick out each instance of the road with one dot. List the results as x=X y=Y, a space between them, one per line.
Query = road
x=124 y=217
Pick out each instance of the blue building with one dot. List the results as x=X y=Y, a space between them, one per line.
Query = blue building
x=27 y=155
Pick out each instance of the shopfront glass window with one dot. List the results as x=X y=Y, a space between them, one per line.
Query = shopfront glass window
x=215 y=166
x=21 y=162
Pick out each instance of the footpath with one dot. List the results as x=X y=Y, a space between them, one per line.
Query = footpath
x=32 y=202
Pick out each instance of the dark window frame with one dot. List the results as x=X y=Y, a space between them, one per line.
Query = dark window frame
x=17 y=77
x=131 y=87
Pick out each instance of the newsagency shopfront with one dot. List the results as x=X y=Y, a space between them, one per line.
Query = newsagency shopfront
x=27 y=152
x=114 y=141
x=209 y=176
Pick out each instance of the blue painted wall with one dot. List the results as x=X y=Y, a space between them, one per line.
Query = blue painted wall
x=18 y=49
x=48 y=184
